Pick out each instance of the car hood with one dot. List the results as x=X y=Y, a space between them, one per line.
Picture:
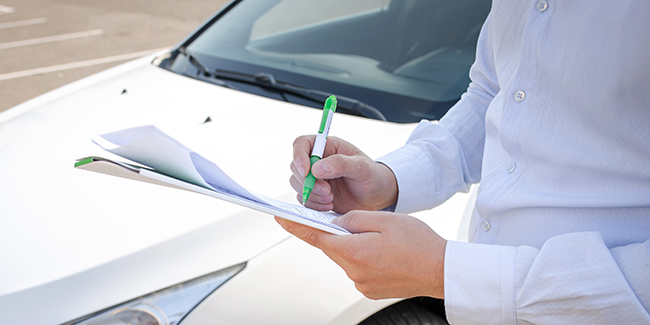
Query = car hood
x=91 y=240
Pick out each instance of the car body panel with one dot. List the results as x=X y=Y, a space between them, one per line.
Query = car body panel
x=296 y=284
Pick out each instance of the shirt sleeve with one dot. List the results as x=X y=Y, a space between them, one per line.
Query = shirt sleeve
x=573 y=279
x=440 y=159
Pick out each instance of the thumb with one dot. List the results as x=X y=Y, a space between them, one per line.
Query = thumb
x=363 y=221
x=336 y=166
x=311 y=236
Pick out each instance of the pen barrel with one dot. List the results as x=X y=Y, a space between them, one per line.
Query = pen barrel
x=326 y=121
x=319 y=145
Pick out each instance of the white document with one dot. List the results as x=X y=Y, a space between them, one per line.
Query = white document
x=173 y=164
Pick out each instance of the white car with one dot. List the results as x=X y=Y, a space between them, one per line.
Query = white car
x=85 y=248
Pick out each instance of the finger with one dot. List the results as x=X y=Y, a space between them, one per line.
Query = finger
x=296 y=184
x=296 y=173
x=321 y=187
x=301 y=151
x=365 y=221
x=339 y=146
x=313 y=198
x=311 y=236
x=313 y=203
x=336 y=166
x=321 y=193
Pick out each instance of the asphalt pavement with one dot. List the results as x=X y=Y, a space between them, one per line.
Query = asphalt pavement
x=45 y=44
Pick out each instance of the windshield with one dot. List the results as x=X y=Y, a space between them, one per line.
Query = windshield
x=408 y=58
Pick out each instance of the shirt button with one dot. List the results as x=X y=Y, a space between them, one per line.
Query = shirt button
x=485 y=225
x=520 y=95
x=512 y=167
x=542 y=5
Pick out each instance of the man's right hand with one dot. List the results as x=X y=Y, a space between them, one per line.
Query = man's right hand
x=346 y=179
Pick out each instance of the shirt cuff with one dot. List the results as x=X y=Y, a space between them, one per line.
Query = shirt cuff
x=480 y=283
x=412 y=179
x=429 y=169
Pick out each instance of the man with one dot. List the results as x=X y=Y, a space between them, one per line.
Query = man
x=556 y=126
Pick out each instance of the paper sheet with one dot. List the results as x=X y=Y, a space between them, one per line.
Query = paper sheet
x=151 y=147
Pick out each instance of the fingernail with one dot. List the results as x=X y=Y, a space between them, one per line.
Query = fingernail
x=319 y=190
x=335 y=221
x=320 y=169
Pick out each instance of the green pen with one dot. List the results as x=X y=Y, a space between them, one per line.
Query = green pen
x=319 y=144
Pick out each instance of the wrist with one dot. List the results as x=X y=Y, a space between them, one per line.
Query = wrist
x=440 y=273
x=389 y=188
x=434 y=276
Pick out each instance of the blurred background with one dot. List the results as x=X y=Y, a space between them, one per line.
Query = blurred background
x=45 y=44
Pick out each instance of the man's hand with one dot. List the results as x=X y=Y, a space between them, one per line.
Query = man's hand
x=346 y=179
x=387 y=256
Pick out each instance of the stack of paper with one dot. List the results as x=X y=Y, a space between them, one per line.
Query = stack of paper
x=170 y=163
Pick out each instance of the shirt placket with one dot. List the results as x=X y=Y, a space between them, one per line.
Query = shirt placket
x=519 y=94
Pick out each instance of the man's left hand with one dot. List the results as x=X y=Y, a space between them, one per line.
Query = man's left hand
x=388 y=255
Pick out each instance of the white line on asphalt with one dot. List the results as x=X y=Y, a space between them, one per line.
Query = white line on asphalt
x=78 y=64
x=20 y=23
x=7 y=10
x=49 y=39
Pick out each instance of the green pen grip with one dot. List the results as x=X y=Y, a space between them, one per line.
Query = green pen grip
x=310 y=180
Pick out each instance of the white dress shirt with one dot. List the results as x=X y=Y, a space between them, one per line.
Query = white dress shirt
x=556 y=127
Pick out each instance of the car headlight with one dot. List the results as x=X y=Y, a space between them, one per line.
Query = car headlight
x=165 y=307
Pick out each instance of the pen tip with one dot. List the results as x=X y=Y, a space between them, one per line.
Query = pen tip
x=305 y=195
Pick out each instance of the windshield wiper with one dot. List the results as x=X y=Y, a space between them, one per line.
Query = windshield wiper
x=203 y=70
x=267 y=80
